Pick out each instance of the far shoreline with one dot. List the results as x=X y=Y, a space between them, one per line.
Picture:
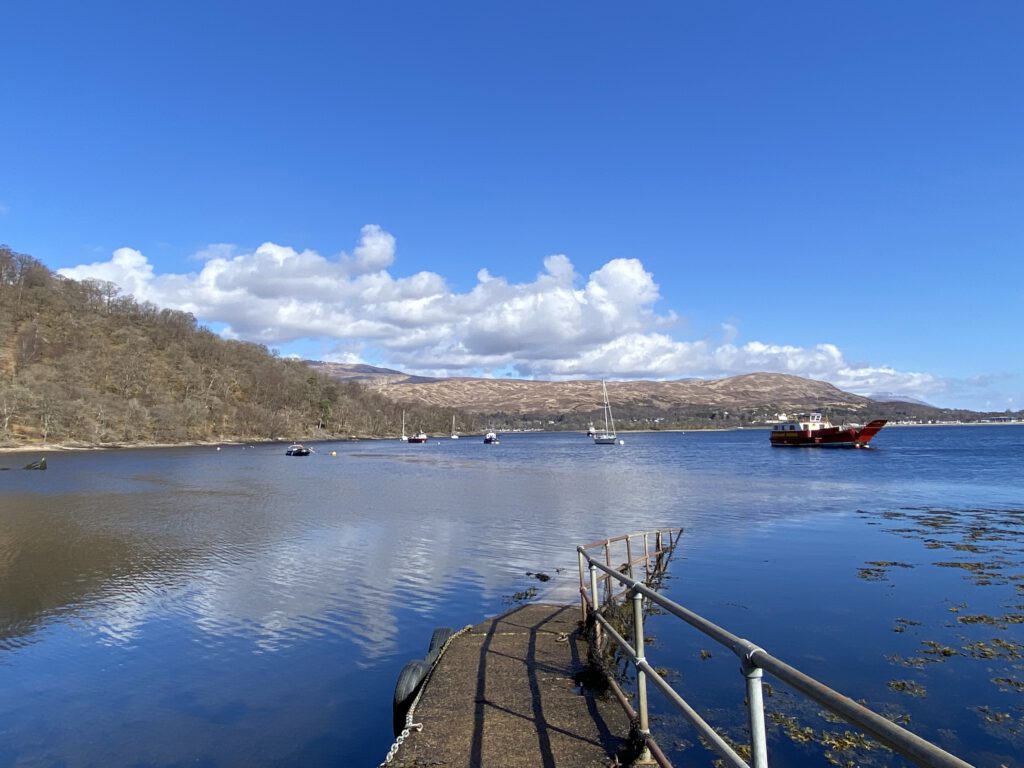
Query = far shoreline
x=69 y=447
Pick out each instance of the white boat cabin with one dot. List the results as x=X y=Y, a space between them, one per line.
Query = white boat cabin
x=813 y=422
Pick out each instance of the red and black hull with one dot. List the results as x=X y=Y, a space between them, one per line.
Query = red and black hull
x=828 y=437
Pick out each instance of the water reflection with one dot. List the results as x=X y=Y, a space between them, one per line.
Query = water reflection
x=248 y=543
x=242 y=589
x=276 y=550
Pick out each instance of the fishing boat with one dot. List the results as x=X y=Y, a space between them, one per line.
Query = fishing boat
x=491 y=438
x=419 y=437
x=591 y=431
x=297 y=449
x=816 y=431
x=606 y=436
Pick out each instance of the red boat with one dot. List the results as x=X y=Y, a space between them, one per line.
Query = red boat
x=817 y=432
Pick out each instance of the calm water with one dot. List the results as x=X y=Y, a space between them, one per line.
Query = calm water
x=244 y=608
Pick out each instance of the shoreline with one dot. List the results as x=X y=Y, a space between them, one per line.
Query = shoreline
x=69 y=447
x=64 y=447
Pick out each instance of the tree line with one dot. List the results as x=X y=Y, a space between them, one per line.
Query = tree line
x=82 y=363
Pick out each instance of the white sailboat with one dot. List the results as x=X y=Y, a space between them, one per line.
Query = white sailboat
x=454 y=435
x=404 y=438
x=606 y=436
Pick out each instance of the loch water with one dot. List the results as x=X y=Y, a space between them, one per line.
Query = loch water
x=237 y=607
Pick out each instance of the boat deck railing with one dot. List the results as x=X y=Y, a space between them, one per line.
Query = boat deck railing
x=651 y=551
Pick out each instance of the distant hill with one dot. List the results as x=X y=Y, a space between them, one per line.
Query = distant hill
x=746 y=399
x=749 y=399
x=753 y=390
x=892 y=397
x=367 y=374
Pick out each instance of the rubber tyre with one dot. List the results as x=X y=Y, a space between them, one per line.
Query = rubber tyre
x=437 y=641
x=409 y=681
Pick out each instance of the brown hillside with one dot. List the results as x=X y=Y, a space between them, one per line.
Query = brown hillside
x=754 y=390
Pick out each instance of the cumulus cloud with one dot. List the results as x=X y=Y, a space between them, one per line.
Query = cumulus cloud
x=558 y=325
x=376 y=251
x=127 y=268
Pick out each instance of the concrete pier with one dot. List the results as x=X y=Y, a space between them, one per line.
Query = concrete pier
x=503 y=696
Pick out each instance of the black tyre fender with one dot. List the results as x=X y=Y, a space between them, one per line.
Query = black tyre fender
x=409 y=681
x=437 y=641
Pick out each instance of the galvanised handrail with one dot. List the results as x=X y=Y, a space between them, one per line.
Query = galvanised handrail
x=664 y=543
x=754 y=660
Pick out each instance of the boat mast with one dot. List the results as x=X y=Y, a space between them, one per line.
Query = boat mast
x=607 y=410
x=608 y=405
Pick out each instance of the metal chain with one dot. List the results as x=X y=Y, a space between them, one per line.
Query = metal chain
x=398 y=743
x=410 y=726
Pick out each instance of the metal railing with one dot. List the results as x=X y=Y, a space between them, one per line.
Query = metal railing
x=754 y=661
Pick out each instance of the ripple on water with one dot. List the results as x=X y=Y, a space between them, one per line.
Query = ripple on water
x=213 y=594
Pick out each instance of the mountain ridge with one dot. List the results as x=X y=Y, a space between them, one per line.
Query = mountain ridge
x=745 y=400
x=750 y=390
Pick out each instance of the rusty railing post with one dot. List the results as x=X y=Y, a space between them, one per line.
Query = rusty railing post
x=583 y=588
x=607 y=580
x=647 y=560
x=641 y=677
x=593 y=605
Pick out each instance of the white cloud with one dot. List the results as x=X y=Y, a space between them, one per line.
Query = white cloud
x=558 y=325
x=376 y=251
x=127 y=267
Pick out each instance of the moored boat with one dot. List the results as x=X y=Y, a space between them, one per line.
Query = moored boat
x=815 y=431
x=607 y=436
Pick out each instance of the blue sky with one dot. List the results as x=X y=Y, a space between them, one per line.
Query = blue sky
x=555 y=190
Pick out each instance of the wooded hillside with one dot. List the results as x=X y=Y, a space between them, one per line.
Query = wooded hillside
x=82 y=364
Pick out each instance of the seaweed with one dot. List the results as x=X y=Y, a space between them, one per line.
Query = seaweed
x=908 y=687
x=1009 y=683
x=903 y=624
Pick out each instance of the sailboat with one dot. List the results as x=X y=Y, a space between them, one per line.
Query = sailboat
x=404 y=438
x=606 y=436
x=454 y=435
